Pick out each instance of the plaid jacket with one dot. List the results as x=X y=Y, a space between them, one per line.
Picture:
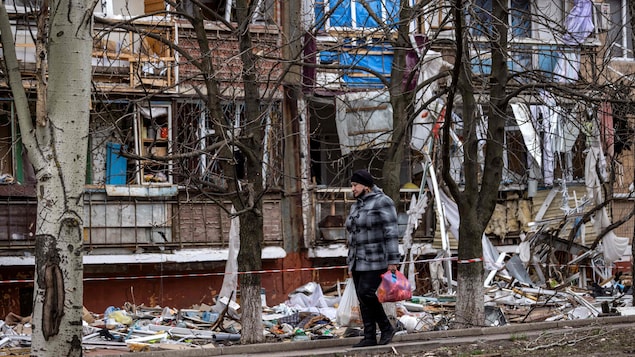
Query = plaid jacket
x=373 y=241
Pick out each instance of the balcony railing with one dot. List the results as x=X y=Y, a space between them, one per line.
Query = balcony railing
x=332 y=206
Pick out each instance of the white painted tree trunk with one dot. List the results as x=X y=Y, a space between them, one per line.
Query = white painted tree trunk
x=57 y=147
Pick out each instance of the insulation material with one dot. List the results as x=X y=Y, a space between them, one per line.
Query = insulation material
x=364 y=120
x=524 y=214
x=498 y=223
x=512 y=218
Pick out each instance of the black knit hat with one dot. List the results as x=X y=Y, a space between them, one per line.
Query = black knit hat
x=362 y=177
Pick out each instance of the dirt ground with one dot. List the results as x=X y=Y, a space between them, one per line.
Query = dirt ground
x=588 y=342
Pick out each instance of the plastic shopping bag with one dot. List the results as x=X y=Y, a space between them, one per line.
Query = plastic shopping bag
x=348 y=310
x=394 y=287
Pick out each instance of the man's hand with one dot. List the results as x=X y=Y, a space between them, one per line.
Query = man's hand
x=393 y=267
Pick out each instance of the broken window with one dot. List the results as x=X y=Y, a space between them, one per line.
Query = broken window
x=6 y=143
x=199 y=131
x=154 y=141
x=120 y=129
x=15 y=167
x=138 y=58
x=214 y=10
x=197 y=134
x=620 y=32
x=360 y=14
x=519 y=18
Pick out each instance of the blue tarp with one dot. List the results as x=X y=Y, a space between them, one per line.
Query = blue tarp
x=376 y=58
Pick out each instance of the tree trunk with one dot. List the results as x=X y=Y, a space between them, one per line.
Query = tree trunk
x=291 y=205
x=401 y=96
x=470 y=309
x=247 y=194
x=476 y=202
x=249 y=259
x=59 y=158
x=251 y=221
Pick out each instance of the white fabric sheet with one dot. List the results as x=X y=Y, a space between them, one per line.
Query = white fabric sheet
x=363 y=120
x=531 y=138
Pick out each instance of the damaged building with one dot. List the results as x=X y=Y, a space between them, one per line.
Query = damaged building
x=152 y=234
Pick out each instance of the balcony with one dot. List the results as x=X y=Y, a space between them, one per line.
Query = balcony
x=333 y=205
x=133 y=59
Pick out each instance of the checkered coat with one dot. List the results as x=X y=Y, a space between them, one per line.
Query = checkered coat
x=373 y=241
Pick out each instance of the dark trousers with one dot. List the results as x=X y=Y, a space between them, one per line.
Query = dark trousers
x=372 y=311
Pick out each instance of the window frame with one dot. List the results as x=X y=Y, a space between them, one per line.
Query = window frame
x=351 y=8
x=511 y=19
x=142 y=143
x=624 y=48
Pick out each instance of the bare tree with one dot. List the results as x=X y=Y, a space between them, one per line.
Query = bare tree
x=631 y=11
x=493 y=71
x=57 y=145
x=235 y=84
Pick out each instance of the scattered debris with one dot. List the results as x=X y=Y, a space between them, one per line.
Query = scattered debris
x=517 y=293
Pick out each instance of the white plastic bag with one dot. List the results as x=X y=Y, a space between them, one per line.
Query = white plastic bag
x=348 y=309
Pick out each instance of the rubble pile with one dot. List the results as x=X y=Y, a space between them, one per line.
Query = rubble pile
x=310 y=314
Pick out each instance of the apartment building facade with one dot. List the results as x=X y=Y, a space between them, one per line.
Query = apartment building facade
x=154 y=234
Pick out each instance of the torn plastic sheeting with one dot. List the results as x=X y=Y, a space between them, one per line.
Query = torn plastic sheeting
x=309 y=295
x=494 y=316
x=517 y=269
x=230 y=279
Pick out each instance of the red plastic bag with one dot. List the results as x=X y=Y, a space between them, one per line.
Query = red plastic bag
x=394 y=287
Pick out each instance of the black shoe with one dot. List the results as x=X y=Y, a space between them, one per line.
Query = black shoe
x=365 y=343
x=386 y=337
